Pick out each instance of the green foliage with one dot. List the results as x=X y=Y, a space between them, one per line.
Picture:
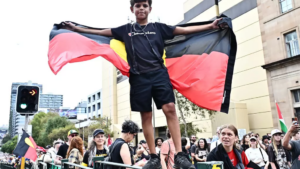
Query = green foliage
x=43 y=124
x=187 y=109
x=101 y=123
x=6 y=139
x=60 y=133
x=9 y=146
x=190 y=129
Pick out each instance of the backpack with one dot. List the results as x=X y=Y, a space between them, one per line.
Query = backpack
x=108 y=158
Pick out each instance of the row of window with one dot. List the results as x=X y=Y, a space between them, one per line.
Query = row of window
x=94 y=97
x=94 y=107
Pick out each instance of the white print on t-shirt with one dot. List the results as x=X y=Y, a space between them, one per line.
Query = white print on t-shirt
x=142 y=33
x=281 y=159
x=202 y=154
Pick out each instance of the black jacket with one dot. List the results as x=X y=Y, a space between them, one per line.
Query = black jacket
x=219 y=154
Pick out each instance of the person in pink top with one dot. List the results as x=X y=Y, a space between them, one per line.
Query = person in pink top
x=167 y=153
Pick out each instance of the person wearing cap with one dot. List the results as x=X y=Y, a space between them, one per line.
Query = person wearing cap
x=265 y=141
x=97 y=148
x=257 y=155
x=146 y=153
x=52 y=151
x=294 y=145
x=63 y=149
x=278 y=156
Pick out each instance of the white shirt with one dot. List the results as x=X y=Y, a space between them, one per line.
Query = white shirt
x=214 y=144
x=157 y=150
x=254 y=155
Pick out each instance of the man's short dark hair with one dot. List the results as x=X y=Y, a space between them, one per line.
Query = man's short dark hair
x=130 y=127
x=156 y=140
x=132 y=2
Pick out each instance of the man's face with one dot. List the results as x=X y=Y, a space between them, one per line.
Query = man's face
x=71 y=136
x=297 y=136
x=159 y=142
x=141 y=10
x=193 y=138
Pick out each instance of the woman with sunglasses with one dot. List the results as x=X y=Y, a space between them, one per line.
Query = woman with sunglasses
x=279 y=157
x=227 y=151
x=257 y=155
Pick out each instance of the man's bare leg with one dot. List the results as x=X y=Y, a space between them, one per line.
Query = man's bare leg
x=148 y=130
x=173 y=125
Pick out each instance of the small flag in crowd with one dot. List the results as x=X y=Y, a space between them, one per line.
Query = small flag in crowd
x=26 y=147
x=281 y=120
x=109 y=141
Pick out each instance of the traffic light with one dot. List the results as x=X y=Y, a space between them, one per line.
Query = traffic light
x=27 y=99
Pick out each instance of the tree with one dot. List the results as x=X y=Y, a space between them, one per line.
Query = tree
x=9 y=146
x=37 y=124
x=6 y=139
x=101 y=123
x=187 y=109
x=61 y=133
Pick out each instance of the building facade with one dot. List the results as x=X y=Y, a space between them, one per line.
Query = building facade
x=50 y=101
x=94 y=105
x=250 y=103
x=15 y=119
x=280 y=29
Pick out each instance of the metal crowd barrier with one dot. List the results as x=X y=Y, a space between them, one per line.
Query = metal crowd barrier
x=211 y=165
x=6 y=166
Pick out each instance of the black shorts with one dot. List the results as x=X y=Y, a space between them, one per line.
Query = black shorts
x=144 y=87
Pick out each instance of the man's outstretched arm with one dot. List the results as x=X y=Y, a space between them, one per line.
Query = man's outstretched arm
x=286 y=138
x=194 y=29
x=70 y=26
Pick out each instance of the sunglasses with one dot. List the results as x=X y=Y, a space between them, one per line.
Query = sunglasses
x=253 y=140
x=74 y=135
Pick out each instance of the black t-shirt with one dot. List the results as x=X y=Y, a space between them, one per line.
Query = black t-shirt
x=62 y=151
x=144 y=59
x=245 y=147
x=99 y=153
x=193 y=149
x=295 y=154
x=281 y=159
x=115 y=154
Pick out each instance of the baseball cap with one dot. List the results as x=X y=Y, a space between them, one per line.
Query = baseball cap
x=98 y=131
x=143 y=142
x=72 y=132
x=48 y=147
x=57 y=142
x=265 y=137
x=253 y=138
x=275 y=131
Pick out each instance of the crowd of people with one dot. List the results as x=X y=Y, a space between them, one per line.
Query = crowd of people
x=274 y=151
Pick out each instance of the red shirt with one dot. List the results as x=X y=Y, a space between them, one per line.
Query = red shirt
x=233 y=158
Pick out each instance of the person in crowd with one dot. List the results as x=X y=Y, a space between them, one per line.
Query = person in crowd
x=56 y=144
x=185 y=143
x=226 y=151
x=259 y=142
x=97 y=148
x=146 y=153
x=265 y=141
x=167 y=152
x=257 y=155
x=193 y=150
x=278 y=156
x=75 y=151
x=63 y=149
x=246 y=142
x=119 y=150
x=193 y=140
x=138 y=153
x=216 y=143
x=158 y=143
x=293 y=145
x=295 y=135
x=201 y=150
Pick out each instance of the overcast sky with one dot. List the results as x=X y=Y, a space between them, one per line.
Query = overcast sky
x=24 y=39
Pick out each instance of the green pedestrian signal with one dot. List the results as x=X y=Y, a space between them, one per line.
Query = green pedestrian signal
x=27 y=99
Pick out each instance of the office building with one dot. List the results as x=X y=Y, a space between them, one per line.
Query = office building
x=94 y=105
x=50 y=101
x=280 y=29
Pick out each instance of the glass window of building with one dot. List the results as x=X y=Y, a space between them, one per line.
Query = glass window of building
x=286 y=5
x=98 y=95
x=98 y=106
x=94 y=97
x=296 y=94
x=292 y=44
x=94 y=108
x=89 y=109
x=89 y=100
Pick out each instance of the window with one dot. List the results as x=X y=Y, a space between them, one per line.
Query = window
x=297 y=114
x=296 y=94
x=94 y=107
x=94 y=97
x=89 y=100
x=98 y=106
x=292 y=45
x=89 y=109
x=286 y=5
x=98 y=95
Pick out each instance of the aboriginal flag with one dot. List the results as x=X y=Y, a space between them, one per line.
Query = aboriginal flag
x=200 y=65
x=26 y=147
